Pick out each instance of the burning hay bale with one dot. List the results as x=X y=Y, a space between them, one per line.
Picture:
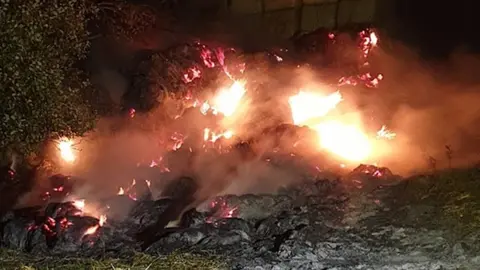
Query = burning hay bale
x=311 y=222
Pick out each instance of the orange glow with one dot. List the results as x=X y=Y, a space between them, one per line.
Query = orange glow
x=79 y=204
x=345 y=141
x=384 y=133
x=102 y=220
x=91 y=230
x=65 y=146
x=210 y=136
x=307 y=105
x=228 y=100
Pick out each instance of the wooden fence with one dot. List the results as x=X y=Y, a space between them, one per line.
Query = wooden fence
x=286 y=17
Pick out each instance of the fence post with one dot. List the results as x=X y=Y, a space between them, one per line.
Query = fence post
x=298 y=17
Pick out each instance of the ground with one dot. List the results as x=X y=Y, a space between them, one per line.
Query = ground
x=357 y=222
x=16 y=260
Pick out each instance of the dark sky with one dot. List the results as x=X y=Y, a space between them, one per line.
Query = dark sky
x=439 y=26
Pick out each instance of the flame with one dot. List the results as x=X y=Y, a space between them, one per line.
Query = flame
x=385 y=133
x=65 y=146
x=91 y=230
x=79 y=204
x=307 y=105
x=347 y=141
x=191 y=74
x=228 y=100
x=210 y=136
x=102 y=220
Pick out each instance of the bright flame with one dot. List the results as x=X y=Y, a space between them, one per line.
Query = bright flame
x=384 y=133
x=79 y=204
x=102 y=220
x=66 y=150
x=346 y=141
x=210 y=136
x=373 y=39
x=228 y=100
x=307 y=106
x=91 y=230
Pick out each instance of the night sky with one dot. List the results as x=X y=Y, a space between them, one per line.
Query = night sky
x=438 y=27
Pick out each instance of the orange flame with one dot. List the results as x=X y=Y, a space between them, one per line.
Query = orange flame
x=79 y=204
x=102 y=220
x=91 y=230
x=210 y=136
x=228 y=100
x=347 y=141
x=65 y=146
x=385 y=133
x=307 y=105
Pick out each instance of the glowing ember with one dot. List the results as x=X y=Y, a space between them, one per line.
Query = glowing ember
x=306 y=106
x=79 y=204
x=192 y=74
x=210 y=136
x=131 y=113
x=66 y=150
x=229 y=99
x=204 y=108
x=368 y=41
x=384 y=133
x=346 y=141
x=102 y=220
x=228 y=134
x=91 y=230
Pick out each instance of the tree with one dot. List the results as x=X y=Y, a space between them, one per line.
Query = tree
x=133 y=23
x=41 y=93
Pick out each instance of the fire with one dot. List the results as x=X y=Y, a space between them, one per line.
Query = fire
x=210 y=136
x=346 y=141
x=228 y=100
x=79 y=204
x=65 y=146
x=306 y=105
x=91 y=230
x=102 y=220
x=385 y=133
x=192 y=74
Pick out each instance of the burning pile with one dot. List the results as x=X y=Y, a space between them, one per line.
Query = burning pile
x=343 y=136
x=70 y=223
x=113 y=223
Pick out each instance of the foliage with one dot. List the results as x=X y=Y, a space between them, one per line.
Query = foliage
x=40 y=91
x=160 y=78
x=127 y=22
x=15 y=260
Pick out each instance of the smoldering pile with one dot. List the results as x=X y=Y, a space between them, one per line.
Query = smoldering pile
x=186 y=217
x=254 y=223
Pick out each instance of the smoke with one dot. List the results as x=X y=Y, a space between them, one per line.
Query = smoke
x=432 y=107
x=429 y=107
x=113 y=83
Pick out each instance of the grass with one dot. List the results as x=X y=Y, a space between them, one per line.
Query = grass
x=455 y=194
x=10 y=259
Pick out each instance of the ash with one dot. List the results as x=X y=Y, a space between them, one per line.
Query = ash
x=368 y=219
